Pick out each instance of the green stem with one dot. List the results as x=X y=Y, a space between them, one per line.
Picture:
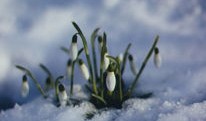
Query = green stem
x=125 y=58
x=99 y=98
x=131 y=89
x=103 y=51
x=87 y=56
x=72 y=78
x=72 y=75
x=93 y=37
x=33 y=78
x=48 y=72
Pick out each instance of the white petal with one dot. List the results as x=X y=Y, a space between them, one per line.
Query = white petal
x=110 y=81
x=157 y=60
x=85 y=71
x=73 y=51
x=63 y=98
x=25 y=89
x=106 y=61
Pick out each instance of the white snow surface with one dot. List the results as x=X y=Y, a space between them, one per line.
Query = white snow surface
x=152 y=109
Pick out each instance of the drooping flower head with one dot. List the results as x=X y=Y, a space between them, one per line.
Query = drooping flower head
x=157 y=58
x=25 y=86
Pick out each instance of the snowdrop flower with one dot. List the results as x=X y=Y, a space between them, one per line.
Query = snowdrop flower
x=132 y=65
x=69 y=68
x=62 y=95
x=84 y=69
x=110 y=79
x=157 y=58
x=25 y=87
x=73 y=48
x=106 y=61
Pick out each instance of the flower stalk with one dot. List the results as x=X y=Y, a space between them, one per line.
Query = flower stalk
x=33 y=78
x=87 y=56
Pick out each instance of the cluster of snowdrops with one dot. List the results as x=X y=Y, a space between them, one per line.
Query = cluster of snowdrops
x=106 y=85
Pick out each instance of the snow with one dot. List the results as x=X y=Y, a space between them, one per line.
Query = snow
x=30 y=33
x=152 y=109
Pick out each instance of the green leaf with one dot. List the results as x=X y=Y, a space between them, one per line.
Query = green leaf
x=87 y=56
x=25 y=70
x=65 y=50
x=125 y=58
x=99 y=98
x=133 y=85
x=93 y=37
x=45 y=69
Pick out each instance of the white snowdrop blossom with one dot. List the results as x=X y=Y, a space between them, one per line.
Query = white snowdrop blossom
x=25 y=87
x=110 y=80
x=106 y=61
x=62 y=95
x=84 y=70
x=132 y=64
x=73 y=48
x=157 y=58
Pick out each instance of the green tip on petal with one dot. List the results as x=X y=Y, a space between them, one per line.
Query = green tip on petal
x=81 y=62
x=110 y=68
x=100 y=39
x=74 y=39
x=48 y=80
x=130 y=57
x=24 y=78
x=156 y=50
x=61 y=87
x=69 y=62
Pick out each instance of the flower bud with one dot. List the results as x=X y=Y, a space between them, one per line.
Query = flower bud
x=110 y=79
x=132 y=64
x=25 y=86
x=62 y=95
x=73 y=48
x=157 y=58
x=84 y=69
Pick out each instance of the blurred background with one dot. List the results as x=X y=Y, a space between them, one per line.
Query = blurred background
x=32 y=31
